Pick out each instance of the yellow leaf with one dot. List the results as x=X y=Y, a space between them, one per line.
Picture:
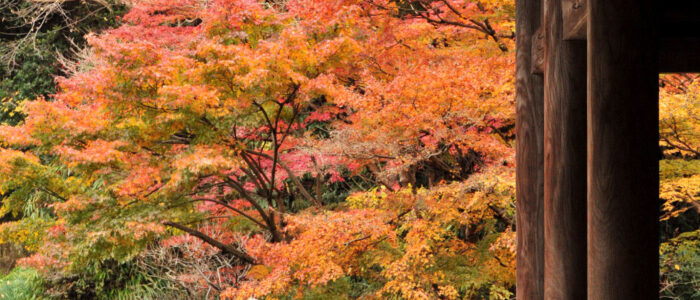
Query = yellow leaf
x=258 y=272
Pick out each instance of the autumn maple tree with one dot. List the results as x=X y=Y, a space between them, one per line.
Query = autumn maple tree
x=679 y=183
x=230 y=121
x=679 y=124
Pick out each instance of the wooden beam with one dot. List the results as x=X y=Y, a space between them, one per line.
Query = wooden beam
x=565 y=160
x=623 y=150
x=529 y=157
x=575 y=13
x=679 y=47
x=679 y=55
x=677 y=18
x=679 y=21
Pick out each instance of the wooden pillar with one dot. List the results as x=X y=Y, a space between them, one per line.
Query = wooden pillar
x=623 y=180
x=565 y=160
x=529 y=158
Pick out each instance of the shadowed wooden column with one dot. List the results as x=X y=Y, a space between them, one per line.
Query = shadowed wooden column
x=623 y=178
x=565 y=160
x=529 y=158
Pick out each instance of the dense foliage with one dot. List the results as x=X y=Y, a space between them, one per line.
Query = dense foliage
x=247 y=124
x=297 y=149
x=680 y=186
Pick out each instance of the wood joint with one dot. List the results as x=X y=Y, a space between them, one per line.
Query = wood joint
x=575 y=18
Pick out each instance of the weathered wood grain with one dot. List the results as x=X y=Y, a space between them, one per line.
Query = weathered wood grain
x=529 y=158
x=574 y=17
x=538 y=45
x=565 y=160
x=623 y=178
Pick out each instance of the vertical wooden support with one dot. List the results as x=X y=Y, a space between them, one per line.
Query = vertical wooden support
x=565 y=160
x=529 y=157
x=623 y=178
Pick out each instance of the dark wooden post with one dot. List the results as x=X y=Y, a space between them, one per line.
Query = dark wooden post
x=529 y=157
x=623 y=180
x=565 y=160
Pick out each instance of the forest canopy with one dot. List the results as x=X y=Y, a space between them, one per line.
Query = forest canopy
x=285 y=149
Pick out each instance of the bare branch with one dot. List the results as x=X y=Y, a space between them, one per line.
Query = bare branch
x=211 y=241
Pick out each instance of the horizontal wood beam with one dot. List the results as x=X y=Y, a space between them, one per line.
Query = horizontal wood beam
x=679 y=21
x=679 y=55
x=679 y=47
x=677 y=18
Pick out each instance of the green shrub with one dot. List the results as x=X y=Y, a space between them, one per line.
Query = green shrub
x=21 y=284
x=678 y=168
x=680 y=267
